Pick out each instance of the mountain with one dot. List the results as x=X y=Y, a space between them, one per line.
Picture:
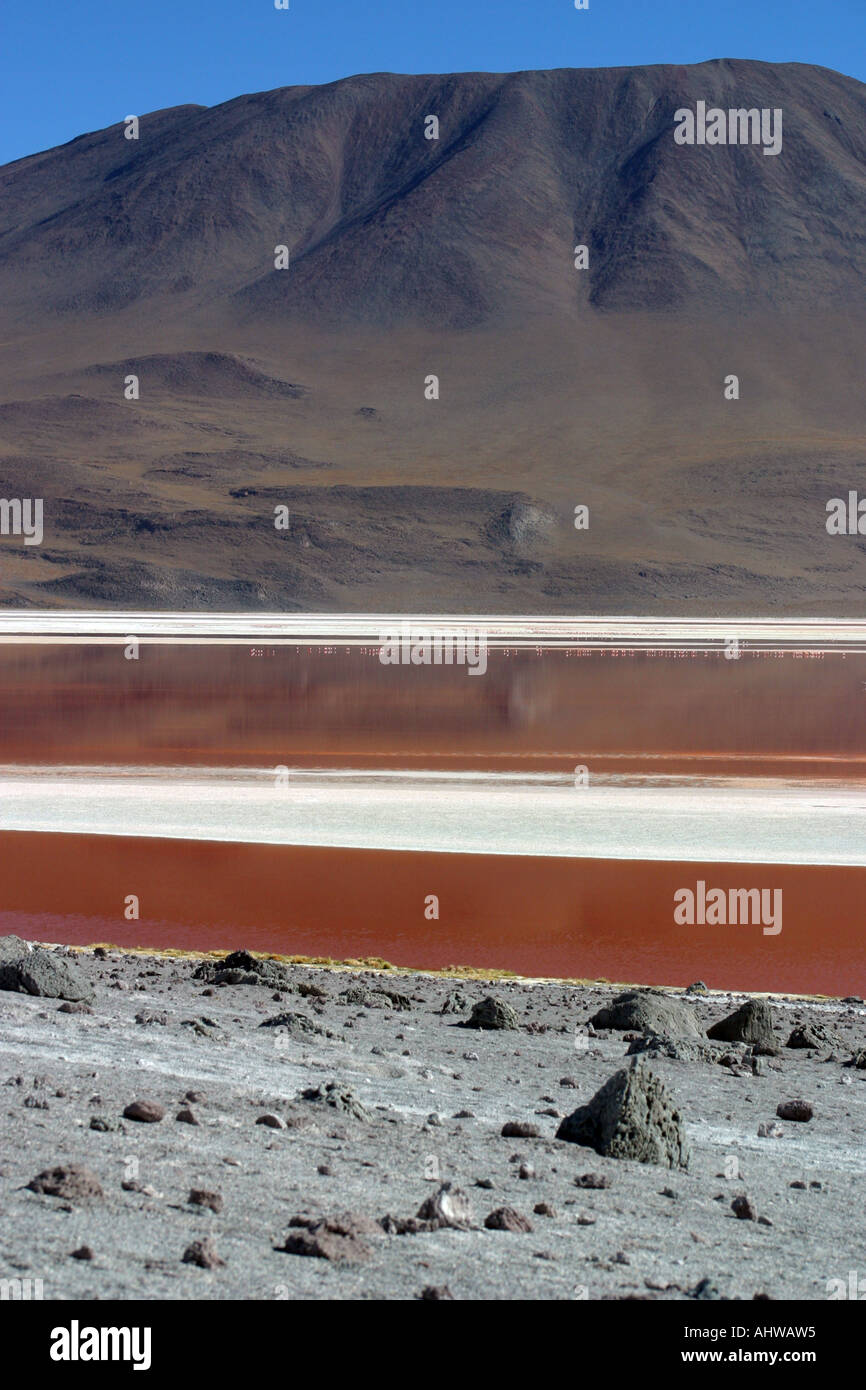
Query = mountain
x=409 y=258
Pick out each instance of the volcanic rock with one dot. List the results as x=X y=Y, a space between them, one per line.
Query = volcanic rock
x=203 y=1253
x=448 y=1207
x=490 y=1014
x=242 y=968
x=811 y=1035
x=338 y=1097
x=298 y=1026
x=799 y=1110
x=744 y=1209
x=13 y=948
x=676 y=1049
x=147 y=1112
x=631 y=1116
x=648 y=1011
x=337 y=1238
x=71 y=1181
x=45 y=974
x=202 y=1197
x=751 y=1023
x=508 y=1219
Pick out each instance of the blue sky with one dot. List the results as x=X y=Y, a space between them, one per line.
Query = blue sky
x=69 y=66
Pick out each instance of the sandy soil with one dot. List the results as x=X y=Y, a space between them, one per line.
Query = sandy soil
x=437 y=1096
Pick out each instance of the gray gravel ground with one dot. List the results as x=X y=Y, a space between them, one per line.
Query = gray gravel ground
x=652 y=1232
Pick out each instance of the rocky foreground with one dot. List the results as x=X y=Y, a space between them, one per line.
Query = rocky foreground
x=244 y=1128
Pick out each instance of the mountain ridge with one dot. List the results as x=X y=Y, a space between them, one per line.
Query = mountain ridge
x=453 y=258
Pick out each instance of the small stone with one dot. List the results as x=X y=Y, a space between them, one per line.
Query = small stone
x=297 y=1026
x=593 y=1180
x=143 y=1189
x=145 y=1111
x=447 y=1207
x=102 y=1124
x=328 y=1239
x=813 y=1036
x=272 y=1121
x=202 y=1253
x=544 y=1209
x=301 y=1122
x=492 y=1014
x=201 y=1197
x=434 y=1293
x=770 y=1130
x=705 y=1291
x=186 y=1117
x=799 y=1110
x=743 y=1209
x=507 y=1219
x=84 y=1252
x=340 y=1098
x=71 y=1181
x=519 y=1129
x=526 y=1171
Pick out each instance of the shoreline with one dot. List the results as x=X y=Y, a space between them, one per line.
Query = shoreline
x=373 y=965
x=550 y=918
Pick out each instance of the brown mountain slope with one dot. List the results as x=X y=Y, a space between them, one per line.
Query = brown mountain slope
x=410 y=257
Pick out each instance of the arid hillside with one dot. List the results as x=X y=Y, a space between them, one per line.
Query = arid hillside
x=165 y=388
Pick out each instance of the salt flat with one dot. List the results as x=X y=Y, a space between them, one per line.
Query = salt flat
x=369 y=629
x=772 y=823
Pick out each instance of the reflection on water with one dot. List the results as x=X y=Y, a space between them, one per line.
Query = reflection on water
x=224 y=706
x=312 y=801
